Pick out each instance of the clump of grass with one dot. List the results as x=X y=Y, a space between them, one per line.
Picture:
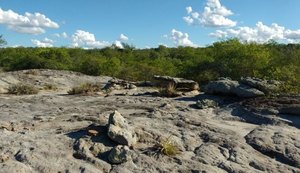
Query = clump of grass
x=85 y=89
x=169 y=91
x=167 y=147
x=32 y=72
x=22 y=89
x=50 y=87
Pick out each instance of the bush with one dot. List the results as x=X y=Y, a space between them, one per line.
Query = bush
x=22 y=89
x=85 y=89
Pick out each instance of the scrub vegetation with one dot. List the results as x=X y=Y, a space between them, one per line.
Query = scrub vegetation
x=229 y=58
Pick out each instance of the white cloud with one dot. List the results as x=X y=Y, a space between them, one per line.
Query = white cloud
x=62 y=35
x=28 y=23
x=43 y=43
x=118 y=44
x=189 y=10
x=219 y=34
x=87 y=40
x=123 y=38
x=181 y=39
x=294 y=35
x=261 y=33
x=214 y=15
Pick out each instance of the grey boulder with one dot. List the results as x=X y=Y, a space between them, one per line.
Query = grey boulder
x=119 y=154
x=226 y=86
x=120 y=131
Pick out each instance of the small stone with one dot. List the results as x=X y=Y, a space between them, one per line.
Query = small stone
x=93 y=132
x=206 y=103
x=4 y=158
x=119 y=154
x=132 y=86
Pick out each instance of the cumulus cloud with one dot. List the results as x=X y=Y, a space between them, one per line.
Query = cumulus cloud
x=213 y=15
x=123 y=38
x=87 y=40
x=43 y=43
x=28 y=23
x=180 y=39
x=293 y=35
x=118 y=44
x=261 y=33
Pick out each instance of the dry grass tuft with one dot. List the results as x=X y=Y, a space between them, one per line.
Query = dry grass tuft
x=169 y=91
x=22 y=89
x=167 y=147
x=50 y=87
x=85 y=89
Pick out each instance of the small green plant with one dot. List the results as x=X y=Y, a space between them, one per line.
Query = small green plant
x=50 y=87
x=167 y=147
x=169 y=91
x=22 y=89
x=85 y=89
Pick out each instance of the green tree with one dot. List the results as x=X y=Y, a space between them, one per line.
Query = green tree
x=2 y=41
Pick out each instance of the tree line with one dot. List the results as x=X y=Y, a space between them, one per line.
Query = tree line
x=227 y=58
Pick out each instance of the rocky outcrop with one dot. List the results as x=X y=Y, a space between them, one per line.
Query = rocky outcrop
x=119 y=154
x=118 y=84
x=290 y=109
x=266 y=86
x=120 y=131
x=55 y=132
x=226 y=86
x=180 y=83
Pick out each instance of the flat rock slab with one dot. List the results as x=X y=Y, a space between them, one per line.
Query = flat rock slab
x=180 y=83
x=278 y=143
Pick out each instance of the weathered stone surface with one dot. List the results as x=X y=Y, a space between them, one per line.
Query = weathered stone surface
x=266 y=86
x=119 y=154
x=180 y=83
x=118 y=84
x=226 y=86
x=93 y=132
x=87 y=150
x=206 y=103
x=290 y=109
x=278 y=143
x=211 y=140
x=120 y=131
x=4 y=157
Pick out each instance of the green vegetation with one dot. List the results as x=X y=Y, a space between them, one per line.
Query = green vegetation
x=85 y=89
x=167 y=147
x=22 y=89
x=229 y=58
x=2 y=41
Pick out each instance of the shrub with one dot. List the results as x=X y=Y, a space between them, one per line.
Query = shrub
x=22 y=89
x=167 y=147
x=85 y=89
x=169 y=91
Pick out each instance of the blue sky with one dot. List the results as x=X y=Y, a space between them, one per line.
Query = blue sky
x=100 y=23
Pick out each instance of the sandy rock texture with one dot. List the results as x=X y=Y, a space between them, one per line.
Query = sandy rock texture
x=56 y=132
